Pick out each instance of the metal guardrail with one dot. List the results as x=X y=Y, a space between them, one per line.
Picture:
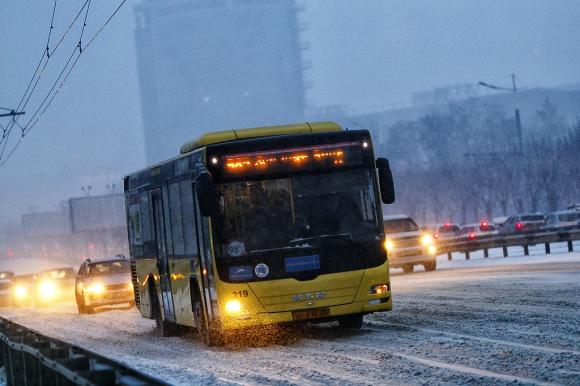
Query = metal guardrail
x=487 y=242
x=32 y=359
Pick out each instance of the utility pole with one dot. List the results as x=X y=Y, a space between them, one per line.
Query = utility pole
x=514 y=89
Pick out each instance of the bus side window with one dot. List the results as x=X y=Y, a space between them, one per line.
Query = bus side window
x=188 y=219
x=146 y=222
x=176 y=219
x=135 y=226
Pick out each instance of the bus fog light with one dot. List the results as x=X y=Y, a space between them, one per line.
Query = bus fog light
x=374 y=302
x=379 y=289
x=432 y=250
x=233 y=306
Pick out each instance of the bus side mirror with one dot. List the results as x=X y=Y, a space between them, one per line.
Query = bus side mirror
x=205 y=191
x=386 y=181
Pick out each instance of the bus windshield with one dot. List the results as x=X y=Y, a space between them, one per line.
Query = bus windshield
x=256 y=216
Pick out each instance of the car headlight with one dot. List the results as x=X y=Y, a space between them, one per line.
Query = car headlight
x=233 y=306
x=47 y=289
x=427 y=240
x=432 y=249
x=389 y=245
x=20 y=291
x=96 y=289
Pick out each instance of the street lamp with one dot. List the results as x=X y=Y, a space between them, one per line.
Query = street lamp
x=517 y=111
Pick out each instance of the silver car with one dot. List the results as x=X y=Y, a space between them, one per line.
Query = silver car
x=103 y=282
x=563 y=220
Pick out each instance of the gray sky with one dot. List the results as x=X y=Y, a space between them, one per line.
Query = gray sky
x=364 y=54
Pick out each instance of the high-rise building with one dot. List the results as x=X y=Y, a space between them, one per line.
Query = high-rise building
x=216 y=64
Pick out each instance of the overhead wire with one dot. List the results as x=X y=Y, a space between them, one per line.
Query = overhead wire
x=45 y=54
x=27 y=128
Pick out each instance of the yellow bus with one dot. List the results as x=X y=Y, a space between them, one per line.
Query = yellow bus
x=254 y=227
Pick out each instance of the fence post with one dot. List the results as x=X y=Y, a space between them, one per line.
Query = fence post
x=570 y=246
x=449 y=256
x=547 y=245
x=466 y=255
x=526 y=250
x=486 y=252
x=505 y=251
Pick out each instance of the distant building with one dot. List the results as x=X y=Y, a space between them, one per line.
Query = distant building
x=210 y=65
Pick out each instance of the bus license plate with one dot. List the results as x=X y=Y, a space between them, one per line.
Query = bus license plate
x=310 y=314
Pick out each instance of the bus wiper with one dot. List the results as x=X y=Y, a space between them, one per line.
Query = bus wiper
x=301 y=246
x=340 y=236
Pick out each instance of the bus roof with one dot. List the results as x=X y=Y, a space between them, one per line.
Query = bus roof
x=235 y=134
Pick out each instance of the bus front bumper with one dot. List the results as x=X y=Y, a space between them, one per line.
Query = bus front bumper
x=311 y=314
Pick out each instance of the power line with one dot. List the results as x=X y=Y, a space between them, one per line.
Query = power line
x=45 y=54
x=26 y=129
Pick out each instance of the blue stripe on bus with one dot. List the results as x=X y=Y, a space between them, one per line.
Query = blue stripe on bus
x=302 y=263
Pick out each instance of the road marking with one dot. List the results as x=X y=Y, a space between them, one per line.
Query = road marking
x=548 y=350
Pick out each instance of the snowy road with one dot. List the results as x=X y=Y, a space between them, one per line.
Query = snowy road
x=481 y=321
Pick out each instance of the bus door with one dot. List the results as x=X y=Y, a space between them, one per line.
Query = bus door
x=205 y=262
x=162 y=260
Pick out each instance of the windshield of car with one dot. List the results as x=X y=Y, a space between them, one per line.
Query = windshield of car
x=108 y=268
x=58 y=274
x=569 y=216
x=538 y=217
x=400 y=225
x=469 y=229
x=279 y=213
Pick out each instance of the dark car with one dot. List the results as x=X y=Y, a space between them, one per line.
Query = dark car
x=446 y=230
x=522 y=223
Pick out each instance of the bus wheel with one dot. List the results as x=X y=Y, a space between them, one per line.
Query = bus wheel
x=408 y=268
x=430 y=265
x=351 y=322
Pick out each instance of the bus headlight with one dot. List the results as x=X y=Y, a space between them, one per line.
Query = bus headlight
x=97 y=289
x=20 y=292
x=427 y=240
x=233 y=306
x=379 y=289
x=432 y=250
x=389 y=245
x=47 y=289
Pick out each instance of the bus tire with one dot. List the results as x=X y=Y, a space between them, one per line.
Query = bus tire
x=430 y=265
x=351 y=322
x=408 y=268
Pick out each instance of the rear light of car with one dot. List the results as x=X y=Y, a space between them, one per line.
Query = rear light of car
x=436 y=235
x=471 y=236
x=484 y=225
x=519 y=226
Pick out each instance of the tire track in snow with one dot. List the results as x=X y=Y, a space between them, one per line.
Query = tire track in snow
x=544 y=349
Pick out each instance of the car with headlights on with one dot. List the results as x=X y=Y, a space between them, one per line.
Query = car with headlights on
x=23 y=289
x=55 y=285
x=103 y=282
x=5 y=288
x=407 y=245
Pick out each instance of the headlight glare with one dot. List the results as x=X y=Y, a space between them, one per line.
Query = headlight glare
x=427 y=240
x=96 y=289
x=47 y=289
x=233 y=306
x=20 y=291
x=389 y=245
